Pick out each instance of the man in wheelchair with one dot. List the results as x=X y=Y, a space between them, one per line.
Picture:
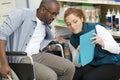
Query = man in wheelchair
x=29 y=31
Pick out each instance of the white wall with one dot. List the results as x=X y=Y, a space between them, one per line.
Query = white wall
x=33 y=4
x=7 y=6
x=21 y=4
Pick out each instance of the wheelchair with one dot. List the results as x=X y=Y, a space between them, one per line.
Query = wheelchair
x=24 y=71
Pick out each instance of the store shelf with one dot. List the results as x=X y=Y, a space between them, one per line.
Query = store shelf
x=59 y=24
x=111 y=2
x=115 y=34
x=105 y=4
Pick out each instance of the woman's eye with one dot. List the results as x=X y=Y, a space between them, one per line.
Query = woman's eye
x=75 y=21
x=68 y=24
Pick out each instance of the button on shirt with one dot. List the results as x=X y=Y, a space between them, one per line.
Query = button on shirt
x=37 y=37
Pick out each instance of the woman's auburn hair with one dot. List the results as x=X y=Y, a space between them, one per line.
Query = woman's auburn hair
x=77 y=12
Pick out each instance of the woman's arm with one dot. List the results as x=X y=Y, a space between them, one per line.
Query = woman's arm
x=109 y=43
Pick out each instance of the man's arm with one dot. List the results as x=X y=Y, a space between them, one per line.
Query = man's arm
x=4 y=67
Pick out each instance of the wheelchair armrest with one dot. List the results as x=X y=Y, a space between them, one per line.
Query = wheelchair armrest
x=16 y=53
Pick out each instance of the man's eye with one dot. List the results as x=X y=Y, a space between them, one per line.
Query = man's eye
x=54 y=13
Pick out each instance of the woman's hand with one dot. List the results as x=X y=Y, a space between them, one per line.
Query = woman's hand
x=78 y=48
x=97 y=40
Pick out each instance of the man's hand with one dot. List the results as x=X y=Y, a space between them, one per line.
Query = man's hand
x=5 y=70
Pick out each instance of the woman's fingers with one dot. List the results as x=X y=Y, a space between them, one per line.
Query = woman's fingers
x=93 y=38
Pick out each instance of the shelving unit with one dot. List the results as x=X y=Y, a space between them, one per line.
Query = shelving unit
x=115 y=34
x=104 y=4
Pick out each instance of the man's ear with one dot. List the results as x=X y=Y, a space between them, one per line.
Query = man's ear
x=42 y=10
